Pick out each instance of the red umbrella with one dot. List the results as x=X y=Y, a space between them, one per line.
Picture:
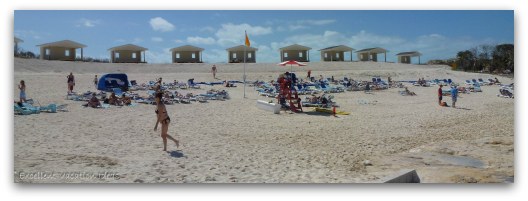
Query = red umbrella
x=291 y=63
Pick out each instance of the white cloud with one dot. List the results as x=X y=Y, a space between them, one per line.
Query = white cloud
x=201 y=40
x=178 y=41
x=208 y=29
x=159 y=57
x=83 y=22
x=296 y=27
x=30 y=34
x=316 y=22
x=233 y=34
x=119 y=40
x=137 y=40
x=160 y=24
x=156 y=39
x=366 y=39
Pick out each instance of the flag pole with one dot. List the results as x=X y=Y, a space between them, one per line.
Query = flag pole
x=244 y=72
x=244 y=78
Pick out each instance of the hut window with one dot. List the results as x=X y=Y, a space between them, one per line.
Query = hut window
x=300 y=54
x=193 y=55
x=177 y=55
x=67 y=53
x=337 y=55
x=116 y=55
x=234 y=55
x=47 y=52
x=134 y=55
x=326 y=55
x=249 y=55
x=285 y=54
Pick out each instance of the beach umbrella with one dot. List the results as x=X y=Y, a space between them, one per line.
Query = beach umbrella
x=291 y=63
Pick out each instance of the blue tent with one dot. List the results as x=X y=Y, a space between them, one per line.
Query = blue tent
x=115 y=80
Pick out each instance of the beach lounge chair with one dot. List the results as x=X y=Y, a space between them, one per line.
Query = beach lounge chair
x=469 y=83
x=449 y=81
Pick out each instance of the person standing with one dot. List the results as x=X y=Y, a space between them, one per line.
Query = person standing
x=164 y=119
x=213 y=70
x=22 y=87
x=71 y=82
x=440 y=95
x=454 y=95
x=95 y=81
x=309 y=74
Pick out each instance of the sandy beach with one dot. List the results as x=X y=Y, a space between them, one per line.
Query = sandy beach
x=233 y=141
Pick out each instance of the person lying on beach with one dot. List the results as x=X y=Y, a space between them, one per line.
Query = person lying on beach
x=93 y=102
x=113 y=100
x=163 y=118
x=126 y=100
x=227 y=84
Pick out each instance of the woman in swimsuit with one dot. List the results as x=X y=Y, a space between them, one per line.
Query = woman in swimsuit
x=164 y=119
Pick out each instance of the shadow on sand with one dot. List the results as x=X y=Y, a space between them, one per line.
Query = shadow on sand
x=176 y=154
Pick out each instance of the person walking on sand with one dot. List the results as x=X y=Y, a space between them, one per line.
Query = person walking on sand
x=22 y=87
x=309 y=74
x=95 y=81
x=71 y=82
x=454 y=95
x=440 y=95
x=213 y=70
x=164 y=119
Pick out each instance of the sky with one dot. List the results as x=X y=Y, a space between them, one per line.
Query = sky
x=436 y=34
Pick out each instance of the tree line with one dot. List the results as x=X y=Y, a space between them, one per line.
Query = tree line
x=486 y=58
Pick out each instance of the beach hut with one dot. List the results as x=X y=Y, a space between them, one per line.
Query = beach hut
x=405 y=57
x=186 y=54
x=236 y=54
x=64 y=50
x=17 y=41
x=110 y=81
x=295 y=52
x=371 y=54
x=335 y=53
x=128 y=53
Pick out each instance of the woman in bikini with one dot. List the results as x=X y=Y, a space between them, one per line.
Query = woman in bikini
x=164 y=119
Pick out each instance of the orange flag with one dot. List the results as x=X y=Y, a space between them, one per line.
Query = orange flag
x=247 y=41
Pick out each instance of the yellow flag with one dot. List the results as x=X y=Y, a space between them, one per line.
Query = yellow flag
x=247 y=41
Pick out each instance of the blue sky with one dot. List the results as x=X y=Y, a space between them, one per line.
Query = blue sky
x=437 y=34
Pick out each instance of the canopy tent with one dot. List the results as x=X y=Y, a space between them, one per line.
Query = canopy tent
x=114 y=80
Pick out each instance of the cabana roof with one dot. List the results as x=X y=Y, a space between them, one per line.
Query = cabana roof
x=18 y=40
x=242 y=48
x=343 y=48
x=128 y=47
x=411 y=54
x=186 y=48
x=372 y=50
x=63 y=43
x=295 y=47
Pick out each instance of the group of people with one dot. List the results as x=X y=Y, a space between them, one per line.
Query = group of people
x=421 y=81
x=454 y=96
x=112 y=100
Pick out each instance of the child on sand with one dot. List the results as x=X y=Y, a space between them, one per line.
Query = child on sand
x=71 y=82
x=22 y=88
x=454 y=95
x=213 y=70
x=164 y=119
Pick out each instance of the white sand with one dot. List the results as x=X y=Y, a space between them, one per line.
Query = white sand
x=233 y=141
